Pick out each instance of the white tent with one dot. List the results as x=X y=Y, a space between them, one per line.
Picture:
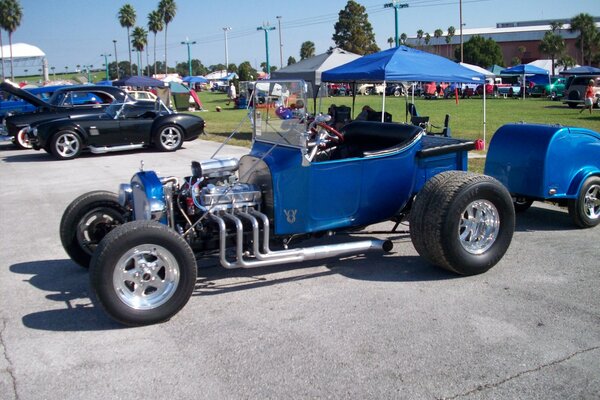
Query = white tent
x=23 y=55
x=479 y=70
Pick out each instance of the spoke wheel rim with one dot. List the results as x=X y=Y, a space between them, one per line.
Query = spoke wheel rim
x=591 y=202
x=67 y=145
x=23 y=139
x=146 y=277
x=479 y=226
x=170 y=137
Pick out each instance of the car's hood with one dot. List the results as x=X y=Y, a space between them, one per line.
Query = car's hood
x=23 y=94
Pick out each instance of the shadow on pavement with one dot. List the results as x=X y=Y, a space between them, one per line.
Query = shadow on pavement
x=544 y=219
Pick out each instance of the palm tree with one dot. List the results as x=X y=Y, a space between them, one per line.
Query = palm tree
x=155 y=25
x=127 y=20
x=553 y=45
x=584 y=23
x=427 y=39
x=390 y=41
x=449 y=36
x=139 y=39
x=168 y=9
x=307 y=50
x=2 y=8
x=403 y=38
x=438 y=34
x=419 y=36
x=10 y=19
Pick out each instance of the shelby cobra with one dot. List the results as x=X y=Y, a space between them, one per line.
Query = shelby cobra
x=141 y=244
x=64 y=102
x=125 y=126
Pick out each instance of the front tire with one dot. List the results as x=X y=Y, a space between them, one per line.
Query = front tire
x=22 y=141
x=462 y=222
x=585 y=209
x=143 y=273
x=86 y=221
x=66 y=145
x=169 y=138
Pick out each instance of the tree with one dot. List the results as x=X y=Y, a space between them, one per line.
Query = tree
x=353 y=31
x=427 y=39
x=155 y=25
x=449 y=36
x=437 y=34
x=139 y=41
x=588 y=35
x=11 y=14
x=246 y=72
x=168 y=9
x=566 y=61
x=403 y=38
x=480 y=51
x=553 y=45
x=127 y=20
x=291 y=60
x=391 y=41
x=307 y=50
x=2 y=8
x=232 y=68
x=216 y=67
x=420 y=34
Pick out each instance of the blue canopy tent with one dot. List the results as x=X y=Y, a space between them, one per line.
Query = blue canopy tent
x=583 y=70
x=403 y=64
x=138 y=81
x=195 y=79
x=524 y=70
x=229 y=77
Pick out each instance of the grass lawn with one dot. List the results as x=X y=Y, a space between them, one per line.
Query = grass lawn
x=466 y=117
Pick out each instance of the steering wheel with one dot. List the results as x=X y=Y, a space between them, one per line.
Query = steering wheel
x=323 y=137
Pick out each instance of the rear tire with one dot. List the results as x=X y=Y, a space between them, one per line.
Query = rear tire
x=143 y=273
x=66 y=145
x=462 y=222
x=169 y=138
x=86 y=221
x=522 y=204
x=585 y=209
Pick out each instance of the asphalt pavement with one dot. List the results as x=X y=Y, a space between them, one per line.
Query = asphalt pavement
x=361 y=327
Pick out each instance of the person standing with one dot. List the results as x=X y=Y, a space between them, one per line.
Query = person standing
x=589 y=97
x=231 y=94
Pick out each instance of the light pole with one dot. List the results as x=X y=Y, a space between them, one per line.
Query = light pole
x=106 y=62
x=396 y=5
x=267 y=28
x=225 y=30
x=116 y=60
x=53 y=73
x=280 y=43
x=188 y=43
x=461 y=31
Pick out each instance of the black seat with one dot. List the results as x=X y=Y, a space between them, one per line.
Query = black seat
x=365 y=138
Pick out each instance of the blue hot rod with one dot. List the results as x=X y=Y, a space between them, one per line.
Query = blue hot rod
x=301 y=179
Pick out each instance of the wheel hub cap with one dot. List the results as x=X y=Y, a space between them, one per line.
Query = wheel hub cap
x=592 y=202
x=479 y=226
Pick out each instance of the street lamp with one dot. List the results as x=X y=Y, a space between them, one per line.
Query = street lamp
x=106 y=62
x=396 y=5
x=225 y=30
x=280 y=44
x=53 y=73
x=266 y=28
x=116 y=61
x=461 y=32
x=188 y=43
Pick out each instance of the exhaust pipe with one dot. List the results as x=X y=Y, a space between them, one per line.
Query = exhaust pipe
x=284 y=256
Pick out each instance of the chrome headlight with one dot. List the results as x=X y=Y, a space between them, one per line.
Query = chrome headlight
x=33 y=132
x=125 y=195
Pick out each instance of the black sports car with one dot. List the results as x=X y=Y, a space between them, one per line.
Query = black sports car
x=70 y=100
x=123 y=126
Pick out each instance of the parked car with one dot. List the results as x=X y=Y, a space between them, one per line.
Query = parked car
x=551 y=163
x=123 y=126
x=142 y=95
x=369 y=89
x=395 y=89
x=576 y=90
x=300 y=180
x=68 y=101
x=553 y=90
x=11 y=104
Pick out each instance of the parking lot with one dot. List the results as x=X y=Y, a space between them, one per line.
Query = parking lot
x=362 y=327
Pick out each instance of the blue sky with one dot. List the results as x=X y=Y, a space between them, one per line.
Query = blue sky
x=78 y=32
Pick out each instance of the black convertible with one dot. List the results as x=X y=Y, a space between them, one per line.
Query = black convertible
x=123 y=126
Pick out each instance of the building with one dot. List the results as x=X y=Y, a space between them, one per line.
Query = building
x=516 y=39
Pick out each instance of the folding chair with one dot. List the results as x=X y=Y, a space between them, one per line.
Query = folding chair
x=445 y=130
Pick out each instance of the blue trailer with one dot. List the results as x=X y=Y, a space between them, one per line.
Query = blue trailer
x=552 y=163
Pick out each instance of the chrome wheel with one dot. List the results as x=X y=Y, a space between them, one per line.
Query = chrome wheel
x=591 y=200
x=170 y=138
x=67 y=145
x=479 y=226
x=146 y=277
x=94 y=226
